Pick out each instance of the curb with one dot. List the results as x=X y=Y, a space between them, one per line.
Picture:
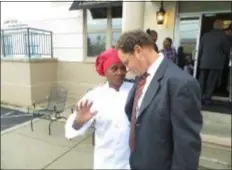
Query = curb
x=216 y=140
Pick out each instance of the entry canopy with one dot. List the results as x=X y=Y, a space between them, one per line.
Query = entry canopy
x=98 y=8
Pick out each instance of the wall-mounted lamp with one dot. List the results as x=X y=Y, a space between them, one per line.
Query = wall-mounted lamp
x=160 y=15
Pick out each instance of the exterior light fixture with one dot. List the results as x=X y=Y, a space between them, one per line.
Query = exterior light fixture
x=160 y=15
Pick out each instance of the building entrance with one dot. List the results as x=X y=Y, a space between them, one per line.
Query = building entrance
x=190 y=29
x=224 y=87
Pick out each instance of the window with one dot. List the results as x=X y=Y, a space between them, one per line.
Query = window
x=96 y=34
x=188 y=31
x=103 y=28
x=116 y=30
x=115 y=37
x=96 y=43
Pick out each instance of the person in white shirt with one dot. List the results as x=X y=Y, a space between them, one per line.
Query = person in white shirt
x=104 y=105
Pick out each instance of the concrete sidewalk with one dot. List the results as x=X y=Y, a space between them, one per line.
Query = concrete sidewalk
x=23 y=149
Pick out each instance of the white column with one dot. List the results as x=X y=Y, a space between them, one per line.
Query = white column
x=133 y=15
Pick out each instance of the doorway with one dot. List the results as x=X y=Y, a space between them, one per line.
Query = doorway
x=206 y=26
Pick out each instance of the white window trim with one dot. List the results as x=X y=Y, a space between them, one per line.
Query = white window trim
x=109 y=34
x=95 y=31
x=115 y=31
x=109 y=28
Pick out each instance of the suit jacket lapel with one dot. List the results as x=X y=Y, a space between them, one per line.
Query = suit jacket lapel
x=153 y=87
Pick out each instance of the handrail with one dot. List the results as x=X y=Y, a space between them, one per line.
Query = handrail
x=26 y=41
x=25 y=28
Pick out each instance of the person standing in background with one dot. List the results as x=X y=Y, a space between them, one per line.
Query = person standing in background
x=213 y=50
x=188 y=65
x=168 y=50
x=154 y=36
x=181 y=57
x=228 y=32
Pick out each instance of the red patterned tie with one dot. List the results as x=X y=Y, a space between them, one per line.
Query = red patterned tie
x=138 y=93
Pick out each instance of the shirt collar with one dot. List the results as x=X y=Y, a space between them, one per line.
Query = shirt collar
x=107 y=86
x=155 y=65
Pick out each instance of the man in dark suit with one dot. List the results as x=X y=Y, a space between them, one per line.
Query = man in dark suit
x=163 y=107
x=228 y=32
x=213 y=52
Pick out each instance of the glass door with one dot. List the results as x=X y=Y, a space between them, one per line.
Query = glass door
x=189 y=37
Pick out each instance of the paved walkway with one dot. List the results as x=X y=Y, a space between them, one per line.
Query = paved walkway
x=11 y=117
x=23 y=149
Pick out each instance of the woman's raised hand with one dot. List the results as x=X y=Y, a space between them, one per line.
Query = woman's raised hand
x=83 y=113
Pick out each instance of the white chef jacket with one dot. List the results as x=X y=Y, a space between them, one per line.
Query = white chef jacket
x=112 y=126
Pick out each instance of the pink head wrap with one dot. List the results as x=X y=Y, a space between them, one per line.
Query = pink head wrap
x=105 y=60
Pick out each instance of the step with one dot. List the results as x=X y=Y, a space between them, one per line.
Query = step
x=216 y=124
x=216 y=153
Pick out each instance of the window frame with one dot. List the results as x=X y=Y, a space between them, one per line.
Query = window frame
x=115 y=31
x=109 y=33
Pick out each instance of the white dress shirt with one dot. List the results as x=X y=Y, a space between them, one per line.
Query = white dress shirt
x=151 y=73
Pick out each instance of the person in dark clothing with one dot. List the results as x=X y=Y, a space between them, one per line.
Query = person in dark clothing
x=188 y=67
x=181 y=57
x=154 y=36
x=228 y=32
x=214 y=48
x=224 y=77
x=163 y=107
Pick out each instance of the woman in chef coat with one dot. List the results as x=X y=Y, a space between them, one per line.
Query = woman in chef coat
x=105 y=105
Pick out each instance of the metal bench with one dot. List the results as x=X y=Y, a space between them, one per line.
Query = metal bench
x=56 y=102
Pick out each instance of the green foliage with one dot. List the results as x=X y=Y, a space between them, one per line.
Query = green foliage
x=96 y=47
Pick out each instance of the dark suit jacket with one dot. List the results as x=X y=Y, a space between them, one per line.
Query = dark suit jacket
x=169 y=122
x=214 y=50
